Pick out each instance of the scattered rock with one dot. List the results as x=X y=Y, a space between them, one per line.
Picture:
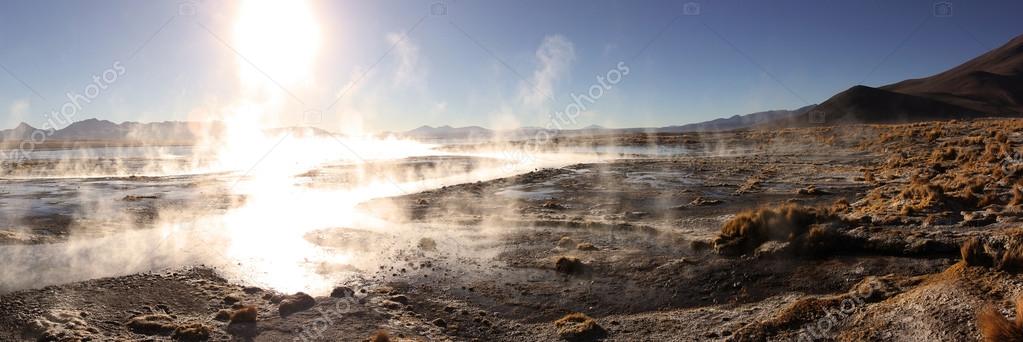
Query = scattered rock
x=62 y=325
x=585 y=246
x=296 y=303
x=134 y=198
x=569 y=265
x=772 y=249
x=978 y=219
x=232 y=298
x=342 y=292
x=440 y=323
x=553 y=205
x=700 y=202
x=274 y=298
x=427 y=244
x=811 y=191
x=675 y=264
x=700 y=245
x=399 y=299
x=247 y=314
x=223 y=315
x=635 y=215
x=156 y=324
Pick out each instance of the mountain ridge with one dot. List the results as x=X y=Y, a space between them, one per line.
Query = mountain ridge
x=988 y=85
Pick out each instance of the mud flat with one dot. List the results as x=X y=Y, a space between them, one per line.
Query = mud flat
x=844 y=234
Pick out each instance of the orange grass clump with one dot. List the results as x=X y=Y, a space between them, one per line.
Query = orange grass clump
x=996 y=328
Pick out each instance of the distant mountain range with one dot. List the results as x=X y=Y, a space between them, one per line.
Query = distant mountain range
x=988 y=85
x=480 y=133
x=157 y=132
x=448 y=132
x=102 y=130
x=737 y=121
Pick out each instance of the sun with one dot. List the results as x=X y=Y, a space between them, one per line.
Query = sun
x=277 y=42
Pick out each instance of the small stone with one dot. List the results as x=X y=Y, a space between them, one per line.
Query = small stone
x=296 y=303
x=223 y=315
x=569 y=265
x=399 y=299
x=232 y=298
x=247 y=314
x=342 y=292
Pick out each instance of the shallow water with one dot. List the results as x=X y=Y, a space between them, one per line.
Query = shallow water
x=253 y=225
x=152 y=152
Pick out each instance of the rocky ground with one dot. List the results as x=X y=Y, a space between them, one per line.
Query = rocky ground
x=899 y=232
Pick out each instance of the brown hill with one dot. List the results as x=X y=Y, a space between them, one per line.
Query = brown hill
x=988 y=85
x=862 y=104
x=991 y=83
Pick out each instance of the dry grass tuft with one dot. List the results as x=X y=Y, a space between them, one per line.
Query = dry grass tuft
x=996 y=328
x=868 y=176
x=974 y=255
x=1003 y=254
x=920 y=195
x=995 y=151
x=1017 y=196
x=840 y=206
x=946 y=154
x=192 y=333
x=380 y=336
x=1012 y=258
x=578 y=327
x=749 y=229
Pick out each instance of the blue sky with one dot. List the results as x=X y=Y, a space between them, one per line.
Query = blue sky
x=488 y=63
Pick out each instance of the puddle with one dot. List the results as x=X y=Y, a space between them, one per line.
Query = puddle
x=540 y=194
